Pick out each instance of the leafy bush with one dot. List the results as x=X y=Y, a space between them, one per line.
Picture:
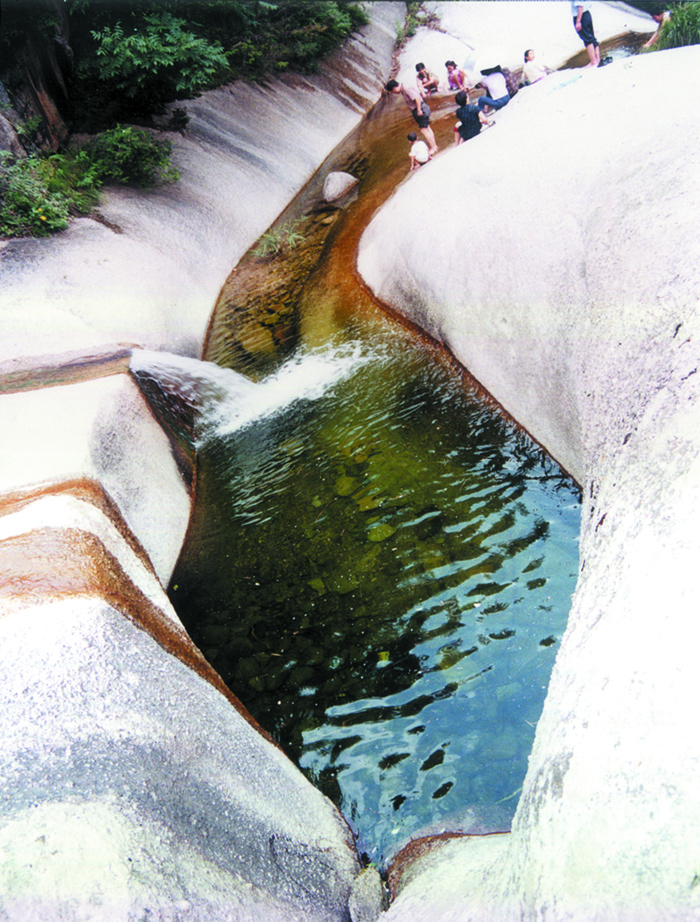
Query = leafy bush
x=156 y=60
x=128 y=155
x=38 y=195
x=27 y=207
x=261 y=38
x=684 y=27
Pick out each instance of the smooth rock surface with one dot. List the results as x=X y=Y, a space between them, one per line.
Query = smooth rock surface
x=336 y=185
x=135 y=790
x=557 y=256
x=104 y=432
x=471 y=33
x=150 y=273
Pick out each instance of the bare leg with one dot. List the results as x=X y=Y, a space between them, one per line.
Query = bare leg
x=430 y=138
x=593 y=55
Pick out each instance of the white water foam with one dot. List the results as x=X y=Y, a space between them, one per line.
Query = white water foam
x=227 y=401
x=197 y=383
x=306 y=376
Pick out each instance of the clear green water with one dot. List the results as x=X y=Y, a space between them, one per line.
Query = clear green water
x=382 y=574
x=379 y=565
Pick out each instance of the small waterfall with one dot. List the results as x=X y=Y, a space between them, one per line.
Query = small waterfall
x=209 y=400
x=305 y=376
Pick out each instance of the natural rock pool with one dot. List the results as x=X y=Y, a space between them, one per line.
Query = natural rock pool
x=380 y=563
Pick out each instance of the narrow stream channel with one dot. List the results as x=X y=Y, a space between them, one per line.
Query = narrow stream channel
x=380 y=564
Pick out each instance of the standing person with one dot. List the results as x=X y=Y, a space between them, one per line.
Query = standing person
x=495 y=83
x=470 y=119
x=532 y=71
x=583 y=23
x=419 y=153
x=420 y=110
x=426 y=81
x=456 y=78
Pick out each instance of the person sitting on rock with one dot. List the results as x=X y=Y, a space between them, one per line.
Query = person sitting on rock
x=420 y=110
x=470 y=119
x=427 y=81
x=496 y=88
x=419 y=153
x=456 y=77
x=532 y=71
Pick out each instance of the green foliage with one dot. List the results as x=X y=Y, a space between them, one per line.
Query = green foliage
x=261 y=38
x=128 y=155
x=415 y=16
x=274 y=242
x=133 y=57
x=156 y=60
x=27 y=207
x=27 y=131
x=684 y=27
x=38 y=195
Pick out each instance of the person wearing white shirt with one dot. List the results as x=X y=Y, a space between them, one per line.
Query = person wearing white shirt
x=532 y=70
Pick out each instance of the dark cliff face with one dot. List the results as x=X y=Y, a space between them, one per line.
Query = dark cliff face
x=37 y=63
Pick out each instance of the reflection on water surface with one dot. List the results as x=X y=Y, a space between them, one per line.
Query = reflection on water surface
x=379 y=565
x=382 y=575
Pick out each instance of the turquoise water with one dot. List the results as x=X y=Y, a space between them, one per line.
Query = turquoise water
x=380 y=567
x=380 y=564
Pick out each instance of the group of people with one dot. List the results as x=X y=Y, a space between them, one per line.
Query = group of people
x=499 y=83
x=471 y=118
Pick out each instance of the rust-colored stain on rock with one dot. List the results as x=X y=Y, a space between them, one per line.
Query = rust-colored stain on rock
x=52 y=564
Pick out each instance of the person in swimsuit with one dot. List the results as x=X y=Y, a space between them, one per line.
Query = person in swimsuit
x=456 y=78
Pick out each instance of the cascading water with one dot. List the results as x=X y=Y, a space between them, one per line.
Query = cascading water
x=379 y=565
x=381 y=570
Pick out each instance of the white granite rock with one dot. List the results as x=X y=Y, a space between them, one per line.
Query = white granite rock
x=557 y=256
x=336 y=185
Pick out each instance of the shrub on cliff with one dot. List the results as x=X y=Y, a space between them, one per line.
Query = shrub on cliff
x=135 y=57
x=27 y=206
x=138 y=66
x=128 y=155
x=38 y=195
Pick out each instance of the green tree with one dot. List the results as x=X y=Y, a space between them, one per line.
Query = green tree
x=155 y=60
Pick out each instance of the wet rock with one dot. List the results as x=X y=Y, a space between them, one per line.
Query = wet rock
x=256 y=339
x=368 y=897
x=342 y=583
x=380 y=532
x=337 y=185
x=345 y=485
x=8 y=138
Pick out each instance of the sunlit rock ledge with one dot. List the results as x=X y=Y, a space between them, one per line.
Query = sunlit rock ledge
x=557 y=256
